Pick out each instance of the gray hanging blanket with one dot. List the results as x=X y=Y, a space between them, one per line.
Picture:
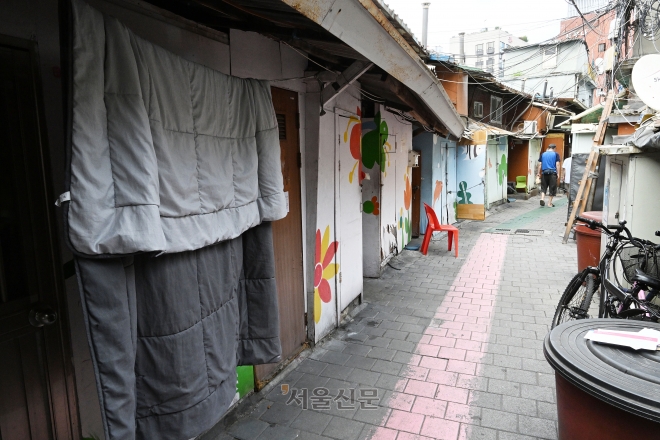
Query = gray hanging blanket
x=174 y=176
x=166 y=155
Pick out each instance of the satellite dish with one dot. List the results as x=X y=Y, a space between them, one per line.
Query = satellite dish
x=646 y=80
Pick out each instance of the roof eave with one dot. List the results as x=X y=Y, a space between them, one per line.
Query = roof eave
x=362 y=25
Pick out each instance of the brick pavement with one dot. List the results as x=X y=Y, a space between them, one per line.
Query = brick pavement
x=452 y=346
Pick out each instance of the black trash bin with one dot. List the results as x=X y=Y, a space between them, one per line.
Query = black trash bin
x=604 y=391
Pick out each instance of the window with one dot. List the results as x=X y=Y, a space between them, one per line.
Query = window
x=601 y=47
x=502 y=46
x=479 y=64
x=491 y=47
x=495 y=109
x=490 y=62
x=478 y=109
x=549 y=57
x=479 y=49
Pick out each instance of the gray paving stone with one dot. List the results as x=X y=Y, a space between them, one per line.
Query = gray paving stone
x=364 y=377
x=311 y=366
x=281 y=413
x=357 y=349
x=544 y=394
x=540 y=428
x=279 y=432
x=505 y=421
x=247 y=428
x=334 y=357
x=518 y=405
x=343 y=429
x=504 y=387
x=381 y=353
x=336 y=371
x=376 y=416
x=312 y=421
x=474 y=432
x=357 y=361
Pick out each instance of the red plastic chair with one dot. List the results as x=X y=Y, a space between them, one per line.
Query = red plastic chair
x=434 y=225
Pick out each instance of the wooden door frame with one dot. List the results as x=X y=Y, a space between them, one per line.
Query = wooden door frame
x=60 y=378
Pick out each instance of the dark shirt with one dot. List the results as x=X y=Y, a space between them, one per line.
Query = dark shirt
x=549 y=161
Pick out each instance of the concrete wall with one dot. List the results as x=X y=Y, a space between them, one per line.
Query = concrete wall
x=37 y=20
x=527 y=63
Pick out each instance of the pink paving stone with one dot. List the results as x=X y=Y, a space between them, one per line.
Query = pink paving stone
x=380 y=433
x=479 y=328
x=415 y=372
x=414 y=360
x=461 y=366
x=458 y=333
x=433 y=363
x=457 y=311
x=447 y=316
x=427 y=349
x=468 y=344
x=461 y=300
x=482 y=302
x=442 y=377
x=461 y=413
x=469 y=306
x=408 y=436
x=436 y=331
x=452 y=394
x=429 y=407
x=442 y=341
x=405 y=421
x=452 y=325
x=401 y=401
x=425 y=339
x=451 y=353
x=482 y=291
x=474 y=356
x=470 y=319
x=476 y=314
x=440 y=429
x=420 y=388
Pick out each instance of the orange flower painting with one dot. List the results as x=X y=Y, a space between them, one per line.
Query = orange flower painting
x=407 y=193
x=354 y=125
x=324 y=270
x=437 y=191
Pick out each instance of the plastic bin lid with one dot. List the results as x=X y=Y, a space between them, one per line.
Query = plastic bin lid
x=622 y=377
x=593 y=215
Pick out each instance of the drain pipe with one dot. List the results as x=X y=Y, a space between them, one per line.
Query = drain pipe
x=461 y=47
x=425 y=23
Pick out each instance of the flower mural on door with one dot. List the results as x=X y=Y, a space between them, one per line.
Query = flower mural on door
x=324 y=270
x=374 y=143
x=437 y=191
x=501 y=170
x=371 y=206
x=354 y=125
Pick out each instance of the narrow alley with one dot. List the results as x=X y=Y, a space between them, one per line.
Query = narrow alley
x=450 y=347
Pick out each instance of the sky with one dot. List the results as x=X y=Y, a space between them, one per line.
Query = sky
x=537 y=19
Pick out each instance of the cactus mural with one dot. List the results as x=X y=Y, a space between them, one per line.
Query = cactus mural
x=463 y=194
x=373 y=145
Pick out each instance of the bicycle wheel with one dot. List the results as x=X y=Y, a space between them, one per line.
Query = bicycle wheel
x=576 y=300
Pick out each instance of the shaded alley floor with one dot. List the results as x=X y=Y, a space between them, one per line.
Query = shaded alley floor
x=451 y=348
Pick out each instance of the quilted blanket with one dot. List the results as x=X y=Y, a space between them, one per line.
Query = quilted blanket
x=166 y=155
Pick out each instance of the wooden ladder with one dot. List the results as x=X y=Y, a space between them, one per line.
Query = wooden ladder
x=590 y=169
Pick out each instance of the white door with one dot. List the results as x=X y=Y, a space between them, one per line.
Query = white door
x=449 y=196
x=492 y=191
x=348 y=216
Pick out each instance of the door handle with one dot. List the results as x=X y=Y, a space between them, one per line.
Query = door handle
x=41 y=316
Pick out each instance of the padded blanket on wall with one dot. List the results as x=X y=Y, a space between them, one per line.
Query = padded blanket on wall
x=174 y=177
x=166 y=155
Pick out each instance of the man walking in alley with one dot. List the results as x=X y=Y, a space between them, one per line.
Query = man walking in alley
x=548 y=166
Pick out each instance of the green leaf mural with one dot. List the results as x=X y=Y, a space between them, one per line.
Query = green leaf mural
x=373 y=145
x=464 y=196
x=501 y=170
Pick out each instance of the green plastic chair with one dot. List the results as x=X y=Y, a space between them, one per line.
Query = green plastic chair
x=521 y=183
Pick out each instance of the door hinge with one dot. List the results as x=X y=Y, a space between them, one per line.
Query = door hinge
x=340 y=277
x=299 y=159
x=339 y=165
x=305 y=319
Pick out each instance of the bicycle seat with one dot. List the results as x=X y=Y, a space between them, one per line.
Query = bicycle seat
x=648 y=280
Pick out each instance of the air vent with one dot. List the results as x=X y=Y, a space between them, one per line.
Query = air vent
x=281 y=123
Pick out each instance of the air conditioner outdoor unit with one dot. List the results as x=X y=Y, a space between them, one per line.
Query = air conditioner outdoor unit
x=529 y=127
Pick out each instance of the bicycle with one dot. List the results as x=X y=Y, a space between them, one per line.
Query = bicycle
x=635 y=256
